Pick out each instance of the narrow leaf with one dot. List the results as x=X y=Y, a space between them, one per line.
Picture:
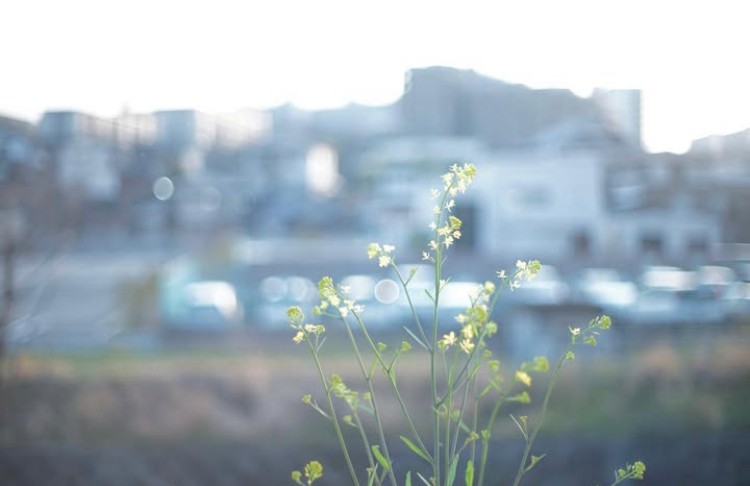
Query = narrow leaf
x=320 y=345
x=381 y=459
x=469 y=477
x=407 y=482
x=415 y=338
x=428 y=483
x=464 y=427
x=373 y=474
x=523 y=431
x=451 y=478
x=416 y=450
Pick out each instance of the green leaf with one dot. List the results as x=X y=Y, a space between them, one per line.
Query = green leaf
x=373 y=473
x=469 y=476
x=415 y=338
x=407 y=482
x=428 y=483
x=416 y=450
x=451 y=477
x=522 y=428
x=381 y=459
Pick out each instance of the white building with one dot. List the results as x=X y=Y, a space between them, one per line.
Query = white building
x=89 y=169
x=544 y=205
x=556 y=206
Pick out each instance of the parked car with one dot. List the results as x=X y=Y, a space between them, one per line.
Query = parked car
x=276 y=294
x=607 y=289
x=547 y=288
x=671 y=295
x=209 y=305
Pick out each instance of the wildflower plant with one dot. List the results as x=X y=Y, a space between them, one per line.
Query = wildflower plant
x=464 y=374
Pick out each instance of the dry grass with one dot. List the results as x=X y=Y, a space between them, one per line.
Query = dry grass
x=254 y=394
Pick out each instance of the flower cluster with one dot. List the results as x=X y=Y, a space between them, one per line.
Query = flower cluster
x=331 y=297
x=524 y=271
x=588 y=334
x=631 y=471
x=383 y=253
x=313 y=471
x=475 y=323
x=455 y=182
x=304 y=331
x=341 y=390
x=458 y=178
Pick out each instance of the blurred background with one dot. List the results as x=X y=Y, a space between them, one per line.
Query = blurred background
x=173 y=176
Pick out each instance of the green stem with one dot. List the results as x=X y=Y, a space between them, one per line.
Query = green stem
x=485 y=442
x=414 y=313
x=334 y=418
x=368 y=379
x=550 y=385
x=433 y=371
x=405 y=412
x=365 y=442
x=460 y=416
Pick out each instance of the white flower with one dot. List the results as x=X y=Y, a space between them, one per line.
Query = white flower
x=467 y=346
x=388 y=248
x=449 y=339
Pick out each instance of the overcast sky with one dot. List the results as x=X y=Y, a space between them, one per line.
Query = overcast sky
x=690 y=58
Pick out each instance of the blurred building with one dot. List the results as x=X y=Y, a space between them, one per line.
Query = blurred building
x=83 y=151
x=718 y=167
x=17 y=146
x=583 y=198
x=442 y=101
x=561 y=177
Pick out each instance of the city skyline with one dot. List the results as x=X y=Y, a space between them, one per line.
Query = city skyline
x=101 y=58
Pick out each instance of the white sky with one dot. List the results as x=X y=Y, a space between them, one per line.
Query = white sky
x=690 y=58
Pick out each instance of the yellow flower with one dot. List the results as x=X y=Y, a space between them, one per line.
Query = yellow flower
x=523 y=377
